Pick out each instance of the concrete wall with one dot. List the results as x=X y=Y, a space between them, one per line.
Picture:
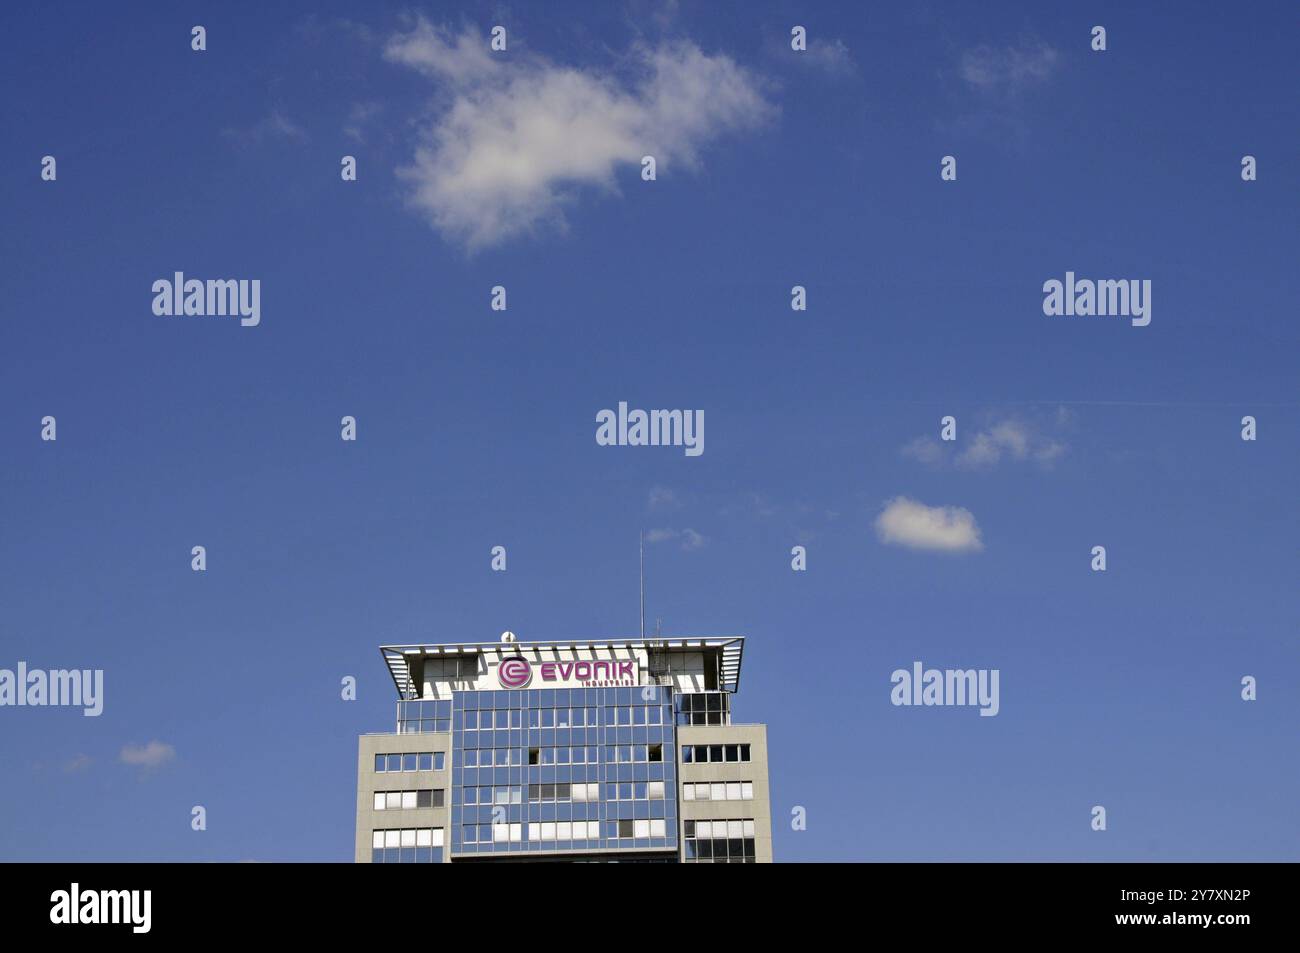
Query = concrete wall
x=755 y=770
x=368 y=782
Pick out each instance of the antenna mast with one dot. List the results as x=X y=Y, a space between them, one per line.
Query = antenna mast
x=642 y=538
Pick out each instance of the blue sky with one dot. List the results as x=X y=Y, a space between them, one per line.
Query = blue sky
x=476 y=428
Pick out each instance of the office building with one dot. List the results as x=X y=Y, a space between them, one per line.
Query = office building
x=591 y=750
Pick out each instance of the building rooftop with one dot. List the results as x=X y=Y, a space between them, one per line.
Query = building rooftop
x=729 y=647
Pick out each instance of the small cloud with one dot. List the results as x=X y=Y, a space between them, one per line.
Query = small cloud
x=925 y=450
x=1008 y=69
x=832 y=56
x=512 y=141
x=691 y=540
x=78 y=764
x=358 y=117
x=1008 y=439
x=949 y=529
x=663 y=498
x=276 y=125
x=152 y=755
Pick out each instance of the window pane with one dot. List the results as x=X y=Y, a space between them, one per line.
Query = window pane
x=379 y=802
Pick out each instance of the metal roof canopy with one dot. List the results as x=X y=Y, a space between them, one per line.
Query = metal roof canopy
x=731 y=646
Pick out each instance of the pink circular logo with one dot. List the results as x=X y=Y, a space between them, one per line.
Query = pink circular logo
x=514 y=672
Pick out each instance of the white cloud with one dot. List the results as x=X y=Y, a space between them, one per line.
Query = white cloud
x=690 y=538
x=151 y=755
x=514 y=138
x=662 y=497
x=77 y=764
x=925 y=449
x=275 y=125
x=950 y=529
x=833 y=56
x=1010 y=439
x=693 y=540
x=1008 y=69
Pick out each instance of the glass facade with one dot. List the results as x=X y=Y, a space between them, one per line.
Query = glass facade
x=559 y=769
x=703 y=708
x=421 y=716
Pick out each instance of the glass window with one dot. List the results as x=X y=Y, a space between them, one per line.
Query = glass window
x=688 y=792
x=747 y=790
x=657 y=827
x=380 y=762
x=655 y=790
x=379 y=803
x=408 y=762
x=744 y=752
x=394 y=800
x=408 y=800
x=424 y=798
x=377 y=840
x=625 y=828
x=426 y=761
x=394 y=762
